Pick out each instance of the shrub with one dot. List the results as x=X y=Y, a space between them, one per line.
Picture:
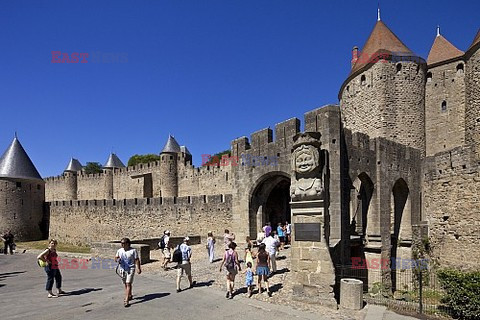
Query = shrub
x=462 y=293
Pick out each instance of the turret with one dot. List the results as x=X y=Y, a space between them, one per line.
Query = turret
x=444 y=97
x=168 y=168
x=22 y=194
x=472 y=108
x=71 y=176
x=109 y=167
x=383 y=96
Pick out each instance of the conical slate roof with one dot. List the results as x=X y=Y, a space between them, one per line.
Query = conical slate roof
x=442 y=50
x=381 y=40
x=171 y=146
x=15 y=163
x=113 y=162
x=185 y=150
x=74 y=165
x=476 y=40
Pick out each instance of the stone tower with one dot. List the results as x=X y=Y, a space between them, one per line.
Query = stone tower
x=472 y=110
x=444 y=97
x=384 y=94
x=22 y=195
x=169 y=169
x=70 y=174
x=109 y=167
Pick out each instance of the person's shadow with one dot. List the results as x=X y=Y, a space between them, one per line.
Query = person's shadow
x=81 y=291
x=203 y=284
x=149 y=297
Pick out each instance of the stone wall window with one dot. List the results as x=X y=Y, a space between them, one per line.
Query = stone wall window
x=399 y=68
x=363 y=80
x=444 y=106
x=19 y=184
x=459 y=68
x=429 y=77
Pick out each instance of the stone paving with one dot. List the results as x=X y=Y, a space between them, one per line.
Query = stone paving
x=205 y=272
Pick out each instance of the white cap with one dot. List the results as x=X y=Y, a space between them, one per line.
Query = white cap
x=167 y=231
x=186 y=239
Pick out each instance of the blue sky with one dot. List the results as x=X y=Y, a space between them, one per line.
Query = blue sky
x=206 y=71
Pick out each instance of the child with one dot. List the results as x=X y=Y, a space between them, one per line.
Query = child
x=249 y=279
x=248 y=254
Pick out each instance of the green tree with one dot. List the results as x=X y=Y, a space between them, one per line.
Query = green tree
x=215 y=159
x=142 y=158
x=93 y=167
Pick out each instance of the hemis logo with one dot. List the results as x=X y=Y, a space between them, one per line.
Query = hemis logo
x=63 y=57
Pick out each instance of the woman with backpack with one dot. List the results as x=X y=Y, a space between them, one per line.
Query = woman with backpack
x=50 y=257
x=232 y=266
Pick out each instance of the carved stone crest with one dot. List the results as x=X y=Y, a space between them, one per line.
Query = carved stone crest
x=307 y=165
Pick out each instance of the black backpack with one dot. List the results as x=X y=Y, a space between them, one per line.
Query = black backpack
x=177 y=255
x=162 y=242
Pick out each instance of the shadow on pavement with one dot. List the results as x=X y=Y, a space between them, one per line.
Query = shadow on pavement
x=276 y=287
x=281 y=271
x=81 y=291
x=204 y=284
x=217 y=260
x=10 y=274
x=149 y=297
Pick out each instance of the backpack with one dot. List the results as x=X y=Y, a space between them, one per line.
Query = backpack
x=230 y=261
x=177 y=255
x=162 y=242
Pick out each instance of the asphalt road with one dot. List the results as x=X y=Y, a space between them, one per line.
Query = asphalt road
x=98 y=294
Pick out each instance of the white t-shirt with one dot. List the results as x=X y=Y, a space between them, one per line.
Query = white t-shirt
x=127 y=258
x=165 y=240
x=271 y=244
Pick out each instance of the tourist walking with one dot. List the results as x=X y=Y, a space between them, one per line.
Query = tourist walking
x=185 y=266
x=267 y=229
x=248 y=254
x=50 y=257
x=165 y=247
x=249 y=279
x=263 y=260
x=210 y=246
x=271 y=245
x=8 y=243
x=232 y=266
x=127 y=258
x=281 y=235
x=228 y=238
x=288 y=232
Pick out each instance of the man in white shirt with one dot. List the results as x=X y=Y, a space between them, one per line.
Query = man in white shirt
x=271 y=245
x=165 y=248
x=185 y=265
x=127 y=258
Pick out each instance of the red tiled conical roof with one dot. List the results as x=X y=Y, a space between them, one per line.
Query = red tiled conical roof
x=381 y=39
x=476 y=40
x=442 y=50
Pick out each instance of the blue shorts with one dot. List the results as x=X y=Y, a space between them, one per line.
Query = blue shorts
x=263 y=271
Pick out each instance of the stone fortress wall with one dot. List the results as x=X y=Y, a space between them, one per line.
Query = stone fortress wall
x=87 y=221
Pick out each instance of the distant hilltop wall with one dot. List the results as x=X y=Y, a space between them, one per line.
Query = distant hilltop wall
x=84 y=222
x=141 y=181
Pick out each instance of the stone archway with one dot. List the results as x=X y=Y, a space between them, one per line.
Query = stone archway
x=269 y=202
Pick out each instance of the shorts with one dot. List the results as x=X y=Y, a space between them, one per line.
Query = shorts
x=263 y=271
x=233 y=271
x=184 y=266
x=282 y=239
x=127 y=276
x=166 y=253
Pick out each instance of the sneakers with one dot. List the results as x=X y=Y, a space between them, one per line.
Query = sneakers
x=52 y=296
x=227 y=295
x=179 y=290
x=269 y=293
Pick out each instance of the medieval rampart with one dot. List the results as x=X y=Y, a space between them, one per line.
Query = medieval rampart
x=86 y=221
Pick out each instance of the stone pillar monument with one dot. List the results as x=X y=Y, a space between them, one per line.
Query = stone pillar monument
x=312 y=267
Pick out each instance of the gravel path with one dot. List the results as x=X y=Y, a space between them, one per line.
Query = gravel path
x=208 y=274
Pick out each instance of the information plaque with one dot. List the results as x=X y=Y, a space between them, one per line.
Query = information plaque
x=307 y=231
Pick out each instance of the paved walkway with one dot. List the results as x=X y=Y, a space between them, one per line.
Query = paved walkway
x=98 y=294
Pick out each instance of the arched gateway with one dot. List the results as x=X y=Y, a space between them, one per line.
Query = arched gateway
x=269 y=201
